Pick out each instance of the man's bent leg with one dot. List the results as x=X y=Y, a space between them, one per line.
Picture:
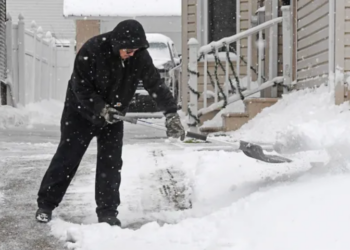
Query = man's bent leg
x=109 y=164
x=75 y=138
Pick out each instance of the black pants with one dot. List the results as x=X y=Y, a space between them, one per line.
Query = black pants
x=76 y=135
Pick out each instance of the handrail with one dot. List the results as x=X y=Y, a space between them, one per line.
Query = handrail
x=172 y=76
x=227 y=40
x=271 y=81
x=237 y=97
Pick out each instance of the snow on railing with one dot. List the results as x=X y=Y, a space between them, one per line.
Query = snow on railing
x=230 y=92
x=175 y=75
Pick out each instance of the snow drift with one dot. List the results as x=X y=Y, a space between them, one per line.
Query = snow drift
x=44 y=112
x=237 y=202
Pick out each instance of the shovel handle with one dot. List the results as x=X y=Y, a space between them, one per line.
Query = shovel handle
x=196 y=136
x=126 y=119
x=156 y=126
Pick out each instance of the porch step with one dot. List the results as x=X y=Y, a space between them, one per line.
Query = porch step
x=234 y=121
x=208 y=130
x=254 y=106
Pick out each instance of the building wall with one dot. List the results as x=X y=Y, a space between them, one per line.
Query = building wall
x=244 y=25
x=346 y=26
x=85 y=30
x=189 y=30
x=313 y=42
x=169 y=26
x=46 y=13
x=2 y=40
x=342 y=49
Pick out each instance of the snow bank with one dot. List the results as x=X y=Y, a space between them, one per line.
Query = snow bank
x=307 y=214
x=237 y=202
x=306 y=119
x=128 y=8
x=44 y=112
x=214 y=193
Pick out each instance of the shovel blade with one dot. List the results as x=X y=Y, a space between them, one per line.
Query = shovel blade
x=255 y=151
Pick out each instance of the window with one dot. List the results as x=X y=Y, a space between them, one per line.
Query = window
x=221 y=19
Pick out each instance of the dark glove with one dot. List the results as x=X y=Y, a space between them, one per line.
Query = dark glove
x=111 y=114
x=174 y=126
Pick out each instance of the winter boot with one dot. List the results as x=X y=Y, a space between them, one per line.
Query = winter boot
x=111 y=220
x=43 y=215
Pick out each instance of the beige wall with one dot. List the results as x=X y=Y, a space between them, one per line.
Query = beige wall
x=85 y=30
x=189 y=30
x=268 y=16
x=346 y=26
x=313 y=42
x=342 y=48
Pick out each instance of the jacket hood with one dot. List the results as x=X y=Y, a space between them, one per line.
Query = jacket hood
x=128 y=34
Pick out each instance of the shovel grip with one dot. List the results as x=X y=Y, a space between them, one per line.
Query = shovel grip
x=126 y=119
x=196 y=136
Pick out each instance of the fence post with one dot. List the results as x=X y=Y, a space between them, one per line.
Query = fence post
x=49 y=38
x=34 y=29
x=331 y=46
x=193 y=83
x=9 y=63
x=21 y=62
x=288 y=47
x=273 y=48
x=54 y=68
x=38 y=82
x=238 y=43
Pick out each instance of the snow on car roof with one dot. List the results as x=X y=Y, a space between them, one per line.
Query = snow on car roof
x=122 y=8
x=156 y=37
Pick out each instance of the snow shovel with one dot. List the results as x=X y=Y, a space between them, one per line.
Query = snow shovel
x=249 y=149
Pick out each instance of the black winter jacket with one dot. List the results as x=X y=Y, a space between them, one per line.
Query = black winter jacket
x=101 y=77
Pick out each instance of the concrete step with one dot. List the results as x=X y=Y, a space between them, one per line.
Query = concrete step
x=254 y=106
x=208 y=130
x=234 y=121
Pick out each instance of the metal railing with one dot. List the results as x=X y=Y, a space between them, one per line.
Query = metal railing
x=176 y=73
x=203 y=53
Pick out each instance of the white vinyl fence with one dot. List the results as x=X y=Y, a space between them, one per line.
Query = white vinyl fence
x=38 y=66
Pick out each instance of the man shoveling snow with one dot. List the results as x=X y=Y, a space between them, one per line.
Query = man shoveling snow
x=106 y=72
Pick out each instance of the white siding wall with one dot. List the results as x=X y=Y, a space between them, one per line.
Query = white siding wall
x=2 y=41
x=312 y=45
x=347 y=36
x=46 y=13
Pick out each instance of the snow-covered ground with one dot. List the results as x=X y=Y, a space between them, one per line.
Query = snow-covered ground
x=44 y=112
x=184 y=198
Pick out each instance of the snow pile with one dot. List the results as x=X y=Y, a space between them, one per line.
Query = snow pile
x=307 y=214
x=237 y=202
x=306 y=119
x=128 y=8
x=10 y=117
x=213 y=193
x=44 y=112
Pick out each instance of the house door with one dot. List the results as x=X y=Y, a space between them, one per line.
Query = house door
x=221 y=19
x=216 y=19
